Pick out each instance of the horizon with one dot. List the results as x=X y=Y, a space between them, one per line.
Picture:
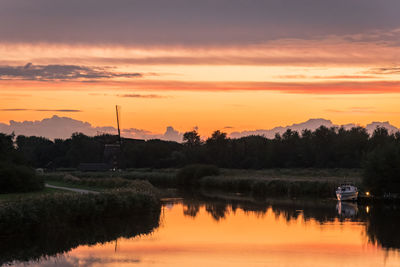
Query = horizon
x=62 y=127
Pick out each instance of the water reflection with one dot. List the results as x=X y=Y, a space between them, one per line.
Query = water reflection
x=383 y=226
x=44 y=242
x=382 y=222
x=347 y=209
x=221 y=230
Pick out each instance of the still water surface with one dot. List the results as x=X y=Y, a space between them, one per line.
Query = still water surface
x=225 y=233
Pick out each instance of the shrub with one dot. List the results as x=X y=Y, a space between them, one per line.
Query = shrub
x=18 y=178
x=191 y=174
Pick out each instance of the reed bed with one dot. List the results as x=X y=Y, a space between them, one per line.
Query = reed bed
x=108 y=183
x=66 y=209
x=52 y=238
x=270 y=187
x=157 y=178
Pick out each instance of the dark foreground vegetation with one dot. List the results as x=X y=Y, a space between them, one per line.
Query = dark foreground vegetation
x=53 y=224
x=15 y=175
x=72 y=209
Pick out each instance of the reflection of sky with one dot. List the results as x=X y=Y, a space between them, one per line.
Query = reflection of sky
x=239 y=239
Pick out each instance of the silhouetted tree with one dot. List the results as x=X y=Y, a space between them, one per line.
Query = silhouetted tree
x=191 y=138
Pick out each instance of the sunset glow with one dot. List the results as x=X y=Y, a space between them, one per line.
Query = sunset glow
x=263 y=77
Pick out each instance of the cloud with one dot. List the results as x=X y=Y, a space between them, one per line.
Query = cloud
x=41 y=110
x=316 y=87
x=329 y=51
x=60 y=72
x=170 y=134
x=354 y=110
x=64 y=127
x=294 y=87
x=387 y=70
x=192 y=21
x=360 y=111
x=311 y=124
x=141 y=96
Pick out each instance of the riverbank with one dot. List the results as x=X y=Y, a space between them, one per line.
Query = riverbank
x=259 y=183
x=75 y=212
x=52 y=224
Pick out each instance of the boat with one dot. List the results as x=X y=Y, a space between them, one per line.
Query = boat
x=347 y=192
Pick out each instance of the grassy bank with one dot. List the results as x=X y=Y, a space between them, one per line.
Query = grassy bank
x=283 y=182
x=96 y=184
x=270 y=187
x=66 y=209
x=260 y=183
x=157 y=177
x=21 y=196
x=51 y=238
x=53 y=221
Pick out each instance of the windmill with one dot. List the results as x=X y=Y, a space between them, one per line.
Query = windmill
x=113 y=151
x=118 y=112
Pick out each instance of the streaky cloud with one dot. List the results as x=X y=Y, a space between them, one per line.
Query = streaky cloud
x=41 y=110
x=60 y=72
x=141 y=96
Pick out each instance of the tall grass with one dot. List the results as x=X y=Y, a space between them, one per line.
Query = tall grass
x=110 y=183
x=190 y=175
x=65 y=209
x=272 y=187
x=157 y=178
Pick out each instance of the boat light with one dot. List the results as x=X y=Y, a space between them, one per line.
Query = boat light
x=367 y=193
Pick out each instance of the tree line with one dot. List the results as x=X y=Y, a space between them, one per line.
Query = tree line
x=323 y=148
x=378 y=154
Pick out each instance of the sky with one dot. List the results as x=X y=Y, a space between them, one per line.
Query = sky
x=232 y=65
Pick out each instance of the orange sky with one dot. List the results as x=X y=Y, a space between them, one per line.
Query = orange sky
x=226 y=92
x=257 y=73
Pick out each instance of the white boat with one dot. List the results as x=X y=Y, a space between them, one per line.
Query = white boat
x=347 y=192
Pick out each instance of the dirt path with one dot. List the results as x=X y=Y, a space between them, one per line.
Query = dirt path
x=77 y=190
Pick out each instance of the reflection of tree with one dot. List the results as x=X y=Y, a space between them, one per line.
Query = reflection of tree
x=319 y=211
x=218 y=211
x=48 y=241
x=383 y=226
x=191 y=209
x=382 y=222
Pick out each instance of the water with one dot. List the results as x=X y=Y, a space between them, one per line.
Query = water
x=210 y=232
